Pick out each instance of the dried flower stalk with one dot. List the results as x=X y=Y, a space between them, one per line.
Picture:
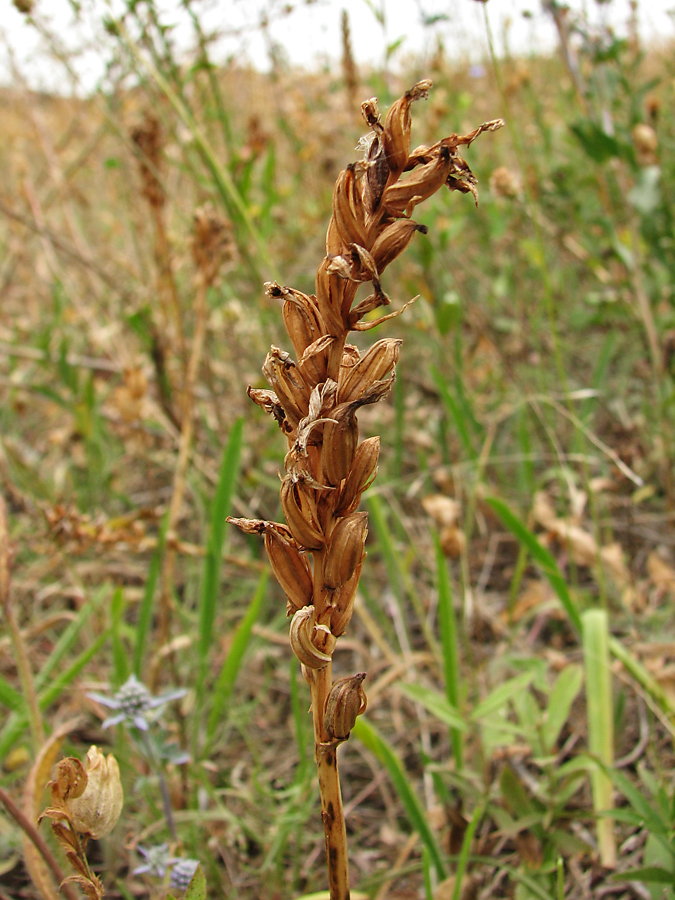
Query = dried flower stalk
x=315 y=397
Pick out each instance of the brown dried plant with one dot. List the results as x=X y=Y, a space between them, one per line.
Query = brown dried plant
x=315 y=398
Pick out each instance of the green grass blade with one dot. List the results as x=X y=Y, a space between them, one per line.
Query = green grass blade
x=436 y=704
x=448 y=627
x=18 y=721
x=9 y=697
x=501 y=695
x=383 y=751
x=147 y=603
x=541 y=556
x=228 y=673
x=210 y=592
x=67 y=639
x=642 y=676
x=465 y=850
x=600 y=723
x=120 y=658
x=455 y=413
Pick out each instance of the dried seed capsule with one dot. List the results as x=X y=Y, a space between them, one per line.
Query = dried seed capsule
x=303 y=635
x=291 y=570
x=377 y=363
x=396 y=136
x=342 y=603
x=301 y=315
x=361 y=475
x=340 y=440
x=346 y=549
x=300 y=511
x=393 y=240
x=96 y=810
x=346 y=701
x=348 y=211
x=287 y=382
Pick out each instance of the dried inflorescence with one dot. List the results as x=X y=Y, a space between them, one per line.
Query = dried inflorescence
x=317 y=393
x=315 y=397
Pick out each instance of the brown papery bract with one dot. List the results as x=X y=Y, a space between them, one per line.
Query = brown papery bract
x=315 y=399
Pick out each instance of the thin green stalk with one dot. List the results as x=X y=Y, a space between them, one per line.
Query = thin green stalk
x=447 y=624
x=600 y=709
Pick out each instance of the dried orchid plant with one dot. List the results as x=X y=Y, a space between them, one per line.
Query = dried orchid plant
x=315 y=398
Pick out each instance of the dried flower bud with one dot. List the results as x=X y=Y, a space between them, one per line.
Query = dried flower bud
x=291 y=569
x=287 y=382
x=342 y=603
x=361 y=475
x=305 y=634
x=299 y=509
x=340 y=440
x=396 y=137
x=96 y=811
x=377 y=363
x=301 y=315
x=346 y=701
x=393 y=241
x=346 y=549
x=348 y=212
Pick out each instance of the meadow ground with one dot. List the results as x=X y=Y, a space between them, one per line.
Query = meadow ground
x=514 y=614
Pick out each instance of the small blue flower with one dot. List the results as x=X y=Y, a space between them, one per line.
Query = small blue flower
x=158 y=859
x=134 y=701
x=182 y=872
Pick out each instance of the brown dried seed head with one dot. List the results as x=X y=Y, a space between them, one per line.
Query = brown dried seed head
x=287 y=382
x=378 y=362
x=393 y=240
x=348 y=212
x=299 y=508
x=340 y=440
x=96 y=810
x=342 y=603
x=346 y=701
x=346 y=549
x=361 y=475
x=291 y=570
x=396 y=137
x=301 y=315
x=303 y=634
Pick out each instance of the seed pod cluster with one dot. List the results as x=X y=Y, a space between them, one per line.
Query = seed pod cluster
x=315 y=396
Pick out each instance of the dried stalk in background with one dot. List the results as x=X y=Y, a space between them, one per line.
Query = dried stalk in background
x=315 y=398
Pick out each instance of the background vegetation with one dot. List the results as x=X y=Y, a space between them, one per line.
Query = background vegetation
x=515 y=614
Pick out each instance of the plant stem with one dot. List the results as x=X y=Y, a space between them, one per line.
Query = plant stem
x=332 y=811
x=32 y=833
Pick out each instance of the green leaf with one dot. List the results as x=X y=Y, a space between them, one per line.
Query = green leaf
x=563 y=693
x=540 y=555
x=501 y=695
x=447 y=624
x=648 y=874
x=196 y=890
x=147 y=603
x=597 y=144
x=436 y=703
x=9 y=697
x=228 y=674
x=455 y=412
x=370 y=738
x=210 y=593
